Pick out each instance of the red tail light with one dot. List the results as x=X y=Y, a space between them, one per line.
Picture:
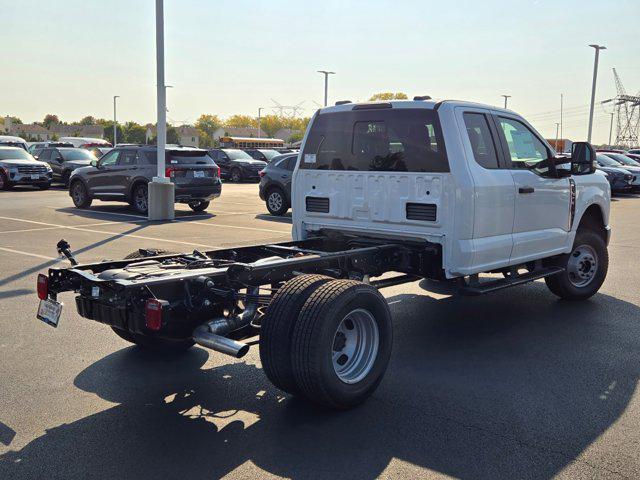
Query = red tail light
x=261 y=173
x=43 y=286
x=153 y=314
x=218 y=174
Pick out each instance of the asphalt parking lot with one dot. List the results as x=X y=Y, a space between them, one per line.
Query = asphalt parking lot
x=515 y=384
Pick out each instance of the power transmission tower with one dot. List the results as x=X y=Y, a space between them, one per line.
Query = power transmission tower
x=628 y=115
x=290 y=111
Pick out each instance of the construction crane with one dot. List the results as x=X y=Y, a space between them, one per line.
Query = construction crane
x=627 y=108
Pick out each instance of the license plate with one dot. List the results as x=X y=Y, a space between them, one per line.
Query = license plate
x=49 y=312
x=35 y=177
x=198 y=174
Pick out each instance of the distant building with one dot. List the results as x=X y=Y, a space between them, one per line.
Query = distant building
x=188 y=136
x=35 y=132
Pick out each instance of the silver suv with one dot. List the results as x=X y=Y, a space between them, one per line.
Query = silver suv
x=123 y=174
x=17 y=167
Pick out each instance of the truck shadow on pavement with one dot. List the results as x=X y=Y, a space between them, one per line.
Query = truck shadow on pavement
x=513 y=385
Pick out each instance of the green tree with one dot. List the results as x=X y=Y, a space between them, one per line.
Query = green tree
x=385 y=96
x=107 y=130
x=50 y=119
x=172 y=135
x=88 y=120
x=207 y=125
x=270 y=124
x=240 y=121
x=134 y=133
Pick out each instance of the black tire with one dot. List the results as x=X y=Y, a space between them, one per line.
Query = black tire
x=156 y=345
x=148 y=252
x=315 y=337
x=44 y=186
x=4 y=182
x=566 y=285
x=80 y=195
x=235 y=175
x=199 y=206
x=276 y=202
x=140 y=198
x=276 y=329
x=65 y=178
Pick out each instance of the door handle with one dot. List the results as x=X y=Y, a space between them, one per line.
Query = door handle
x=526 y=190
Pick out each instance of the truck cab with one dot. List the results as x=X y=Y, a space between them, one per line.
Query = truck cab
x=477 y=180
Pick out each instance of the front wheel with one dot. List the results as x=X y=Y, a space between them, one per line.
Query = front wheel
x=199 y=205
x=4 y=183
x=140 y=200
x=80 y=196
x=585 y=268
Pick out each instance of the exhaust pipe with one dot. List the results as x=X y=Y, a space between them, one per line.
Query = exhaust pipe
x=212 y=334
x=203 y=337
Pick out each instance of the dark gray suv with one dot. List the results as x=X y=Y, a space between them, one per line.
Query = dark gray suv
x=123 y=174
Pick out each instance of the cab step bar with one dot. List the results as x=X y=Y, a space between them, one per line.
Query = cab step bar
x=480 y=288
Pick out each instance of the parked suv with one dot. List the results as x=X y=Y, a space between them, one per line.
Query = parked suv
x=620 y=179
x=63 y=161
x=123 y=174
x=18 y=167
x=236 y=165
x=275 y=183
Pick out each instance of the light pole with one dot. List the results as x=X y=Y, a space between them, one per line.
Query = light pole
x=259 y=110
x=611 y=129
x=115 y=121
x=557 y=128
x=326 y=84
x=561 y=111
x=506 y=97
x=161 y=192
x=593 y=87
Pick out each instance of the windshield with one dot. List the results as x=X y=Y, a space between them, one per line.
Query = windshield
x=270 y=154
x=381 y=139
x=185 y=157
x=77 y=154
x=14 y=154
x=237 y=154
x=607 y=161
x=624 y=159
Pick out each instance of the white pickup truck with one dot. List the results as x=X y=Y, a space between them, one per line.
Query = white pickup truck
x=467 y=195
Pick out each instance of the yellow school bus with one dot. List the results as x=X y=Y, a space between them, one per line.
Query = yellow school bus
x=250 y=142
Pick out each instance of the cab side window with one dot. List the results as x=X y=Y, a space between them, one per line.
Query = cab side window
x=481 y=139
x=525 y=149
x=45 y=155
x=128 y=158
x=109 y=159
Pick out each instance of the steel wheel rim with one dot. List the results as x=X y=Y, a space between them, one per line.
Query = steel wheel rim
x=355 y=346
x=582 y=265
x=78 y=193
x=275 y=201
x=235 y=176
x=141 y=199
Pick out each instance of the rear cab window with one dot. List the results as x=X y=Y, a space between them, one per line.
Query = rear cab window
x=387 y=140
x=177 y=157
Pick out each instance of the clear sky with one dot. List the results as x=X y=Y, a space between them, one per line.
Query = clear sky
x=225 y=57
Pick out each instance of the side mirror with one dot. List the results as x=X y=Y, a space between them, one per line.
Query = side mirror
x=583 y=158
x=94 y=163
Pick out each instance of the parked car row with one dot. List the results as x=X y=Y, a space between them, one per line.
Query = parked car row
x=621 y=169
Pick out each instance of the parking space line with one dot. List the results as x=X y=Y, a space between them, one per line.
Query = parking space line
x=115 y=234
x=190 y=219
x=42 y=257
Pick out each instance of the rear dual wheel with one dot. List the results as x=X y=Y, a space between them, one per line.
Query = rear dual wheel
x=327 y=340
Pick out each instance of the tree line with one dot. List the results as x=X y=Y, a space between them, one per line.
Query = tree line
x=206 y=124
